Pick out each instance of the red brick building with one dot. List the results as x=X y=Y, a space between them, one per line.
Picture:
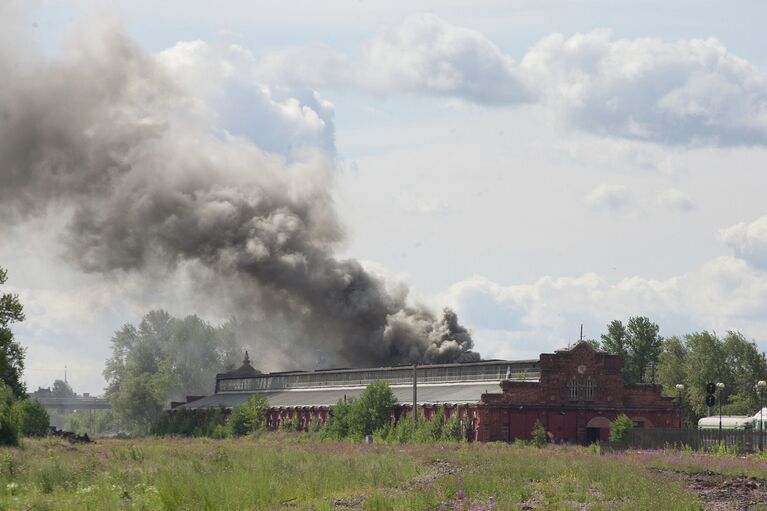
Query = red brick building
x=575 y=393
x=578 y=393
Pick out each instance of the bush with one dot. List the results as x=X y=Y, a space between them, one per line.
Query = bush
x=289 y=425
x=314 y=425
x=539 y=434
x=10 y=417
x=337 y=424
x=453 y=431
x=430 y=430
x=620 y=427
x=248 y=417
x=372 y=411
x=34 y=418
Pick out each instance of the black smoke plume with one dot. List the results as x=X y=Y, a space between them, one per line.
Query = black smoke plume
x=103 y=133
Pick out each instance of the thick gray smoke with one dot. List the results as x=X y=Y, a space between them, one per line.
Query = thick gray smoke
x=104 y=133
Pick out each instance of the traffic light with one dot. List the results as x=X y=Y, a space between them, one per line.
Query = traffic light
x=710 y=390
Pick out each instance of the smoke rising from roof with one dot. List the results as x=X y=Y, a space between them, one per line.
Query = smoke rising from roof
x=155 y=184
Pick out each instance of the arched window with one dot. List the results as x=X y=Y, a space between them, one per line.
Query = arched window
x=588 y=390
x=572 y=387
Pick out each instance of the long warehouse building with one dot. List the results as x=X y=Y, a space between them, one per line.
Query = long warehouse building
x=575 y=393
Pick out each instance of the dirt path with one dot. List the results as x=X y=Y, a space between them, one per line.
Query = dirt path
x=724 y=493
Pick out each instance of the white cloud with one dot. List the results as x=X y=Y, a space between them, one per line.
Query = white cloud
x=723 y=293
x=426 y=54
x=279 y=119
x=749 y=241
x=689 y=91
x=675 y=200
x=609 y=198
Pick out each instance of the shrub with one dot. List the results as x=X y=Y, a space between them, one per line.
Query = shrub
x=248 y=417
x=290 y=424
x=219 y=431
x=452 y=430
x=372 y=411
x=620 y=427
x=539 y=434
x=10 y=418
x=314 y=425
x=337 y=424
x=34 y=418
x=430 y=430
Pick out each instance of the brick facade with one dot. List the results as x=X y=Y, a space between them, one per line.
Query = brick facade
x=580 y=391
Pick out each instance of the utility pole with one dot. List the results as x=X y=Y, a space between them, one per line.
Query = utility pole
x=415 y=398
x=720 y=387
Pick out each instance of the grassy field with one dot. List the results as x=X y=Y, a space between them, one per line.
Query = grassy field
x=293 y=471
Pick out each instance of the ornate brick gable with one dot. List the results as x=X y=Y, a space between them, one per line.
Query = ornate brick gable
x=580 y=390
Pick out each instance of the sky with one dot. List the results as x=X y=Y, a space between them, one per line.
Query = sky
x=533 y=165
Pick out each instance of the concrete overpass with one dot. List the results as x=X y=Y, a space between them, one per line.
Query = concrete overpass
x=70 y=404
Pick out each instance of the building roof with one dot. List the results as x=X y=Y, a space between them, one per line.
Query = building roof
x=244 y=371
x=435 y=393
x=489 y=370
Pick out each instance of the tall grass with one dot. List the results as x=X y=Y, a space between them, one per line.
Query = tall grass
x=297 y=471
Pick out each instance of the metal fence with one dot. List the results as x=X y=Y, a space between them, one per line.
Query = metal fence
x=697 y=439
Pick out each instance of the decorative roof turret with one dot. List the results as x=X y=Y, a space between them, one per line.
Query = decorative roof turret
x=245 y=369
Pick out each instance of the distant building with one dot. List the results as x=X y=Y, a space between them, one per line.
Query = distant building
x=575 y=393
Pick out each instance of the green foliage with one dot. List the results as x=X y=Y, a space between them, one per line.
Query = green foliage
x=164 y=358
x=11 y=309
x=11 y=352
x=430 y=430
x=289 y=425
x=315 y=425
x=436 y=428
x=620 y=427
x=363 y=416
x=638 y=343
x=248 y=417
x=452 y=431
x=61 y=389
x=337 y=424
x=539 y=435
x=34 y=418
x=186 y=422
x=373 y=409
x=10 y=417
x=93 y=422
x=702 y=357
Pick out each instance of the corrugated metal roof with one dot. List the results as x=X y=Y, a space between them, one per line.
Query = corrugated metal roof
x=441 y=393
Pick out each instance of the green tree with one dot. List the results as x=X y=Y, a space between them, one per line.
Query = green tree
x=11 y=352
x=615 y=342
x=644 y=346
x=61 y=389
x=34 y=418
x=703 y=357
x=248 y=417
x=638 y=343
x=372 y=411
x=745 y=366
x=337 y=424
x=10 y=417
x=164 y=359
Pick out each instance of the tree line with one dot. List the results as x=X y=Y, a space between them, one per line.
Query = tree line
x=692 y=360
